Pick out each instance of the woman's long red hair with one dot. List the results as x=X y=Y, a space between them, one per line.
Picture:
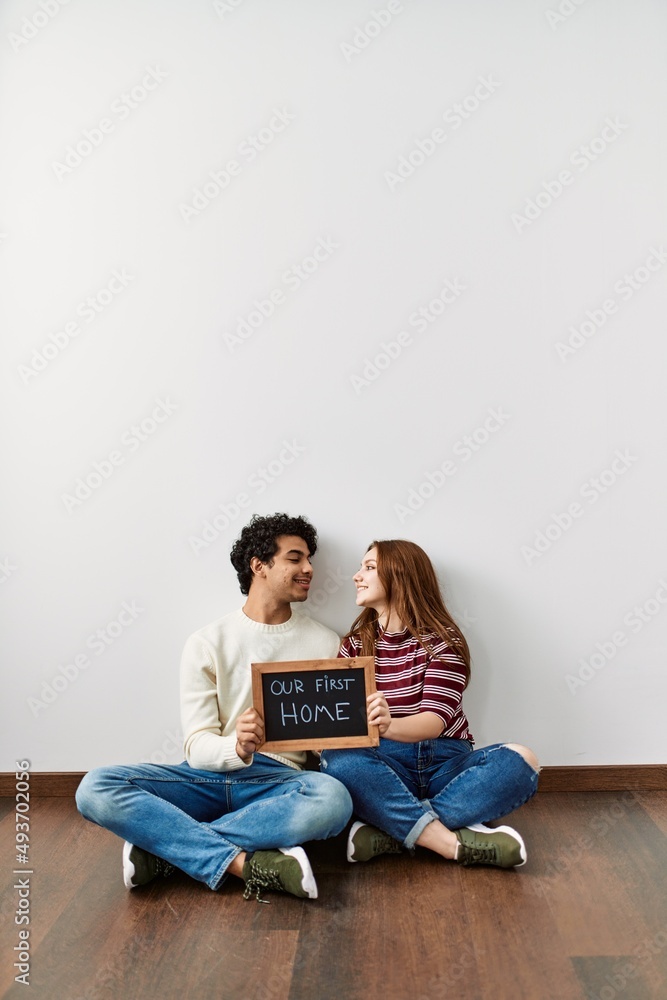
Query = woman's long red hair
x=413 y=594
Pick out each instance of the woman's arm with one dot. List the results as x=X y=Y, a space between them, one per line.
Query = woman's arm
x=409 y=729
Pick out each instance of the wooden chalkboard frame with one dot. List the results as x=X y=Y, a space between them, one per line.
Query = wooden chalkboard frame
x=362 y=663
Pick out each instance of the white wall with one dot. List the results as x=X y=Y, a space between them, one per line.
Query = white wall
x=518 y=92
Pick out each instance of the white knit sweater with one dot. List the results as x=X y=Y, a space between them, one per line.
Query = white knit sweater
x=216 y=680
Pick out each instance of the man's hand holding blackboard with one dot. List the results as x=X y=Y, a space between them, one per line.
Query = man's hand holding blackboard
x=249 y=733
x=377 y=710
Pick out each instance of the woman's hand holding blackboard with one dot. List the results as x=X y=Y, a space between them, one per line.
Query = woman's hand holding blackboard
x=377 y=710
x=249 y=733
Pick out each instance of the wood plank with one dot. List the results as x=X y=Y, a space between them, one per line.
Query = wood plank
x=655 y=806
x=393 y=927
x=604 y=975
x=519 y=948
x=589 y=905
x=173 y=937
x=55 y=853
x=597 y=870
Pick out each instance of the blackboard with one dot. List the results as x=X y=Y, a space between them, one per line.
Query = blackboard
x=315 y=704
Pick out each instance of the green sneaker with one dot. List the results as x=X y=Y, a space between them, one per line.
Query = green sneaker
x=140 y=867
x=285 y=870
x=484 y=845
x=366 y=842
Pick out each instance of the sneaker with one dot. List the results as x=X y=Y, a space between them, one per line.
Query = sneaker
x=366 y=842
x=285 y=870
x=140 y=867
x=484 y=845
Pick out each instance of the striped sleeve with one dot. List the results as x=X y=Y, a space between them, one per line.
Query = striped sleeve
x=444 y=684
x=348 y=647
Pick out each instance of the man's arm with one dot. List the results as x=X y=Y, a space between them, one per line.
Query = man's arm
x=206 y=749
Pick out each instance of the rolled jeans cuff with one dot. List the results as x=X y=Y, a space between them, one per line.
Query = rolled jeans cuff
x=418 y=828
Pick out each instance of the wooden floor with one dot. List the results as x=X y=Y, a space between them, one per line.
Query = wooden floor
x=585 y=918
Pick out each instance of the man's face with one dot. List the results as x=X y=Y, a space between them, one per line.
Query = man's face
x=289 y=575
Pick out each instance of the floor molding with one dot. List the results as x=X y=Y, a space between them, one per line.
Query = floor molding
x=601 y=778
x=604 y=778
x=44 y=783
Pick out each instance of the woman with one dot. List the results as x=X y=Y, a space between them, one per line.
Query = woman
x=425 y=784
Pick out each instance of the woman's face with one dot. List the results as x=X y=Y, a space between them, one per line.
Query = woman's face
x=370 y=592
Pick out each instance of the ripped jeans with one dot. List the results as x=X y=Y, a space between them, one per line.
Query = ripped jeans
x=402 y=787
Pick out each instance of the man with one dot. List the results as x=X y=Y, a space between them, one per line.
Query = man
x=230 y=809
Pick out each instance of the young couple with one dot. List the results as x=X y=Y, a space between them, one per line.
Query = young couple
x=232 y=809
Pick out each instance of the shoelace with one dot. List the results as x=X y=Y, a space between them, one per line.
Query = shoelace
x=261 y=878
x=474 y=855
x=382 y=843
x=163 y=867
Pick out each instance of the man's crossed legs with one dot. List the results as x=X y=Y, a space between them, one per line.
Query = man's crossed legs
x=249 y=822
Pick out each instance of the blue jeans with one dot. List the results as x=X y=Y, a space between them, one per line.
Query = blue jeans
x=402 y=787
x=200 y=820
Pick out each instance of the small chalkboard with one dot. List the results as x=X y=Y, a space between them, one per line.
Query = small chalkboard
x=315 y=704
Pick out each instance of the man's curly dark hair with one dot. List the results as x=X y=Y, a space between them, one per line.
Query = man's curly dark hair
x=259 y=538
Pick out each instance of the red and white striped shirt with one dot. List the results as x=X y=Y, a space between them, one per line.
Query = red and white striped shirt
x=414 y=681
